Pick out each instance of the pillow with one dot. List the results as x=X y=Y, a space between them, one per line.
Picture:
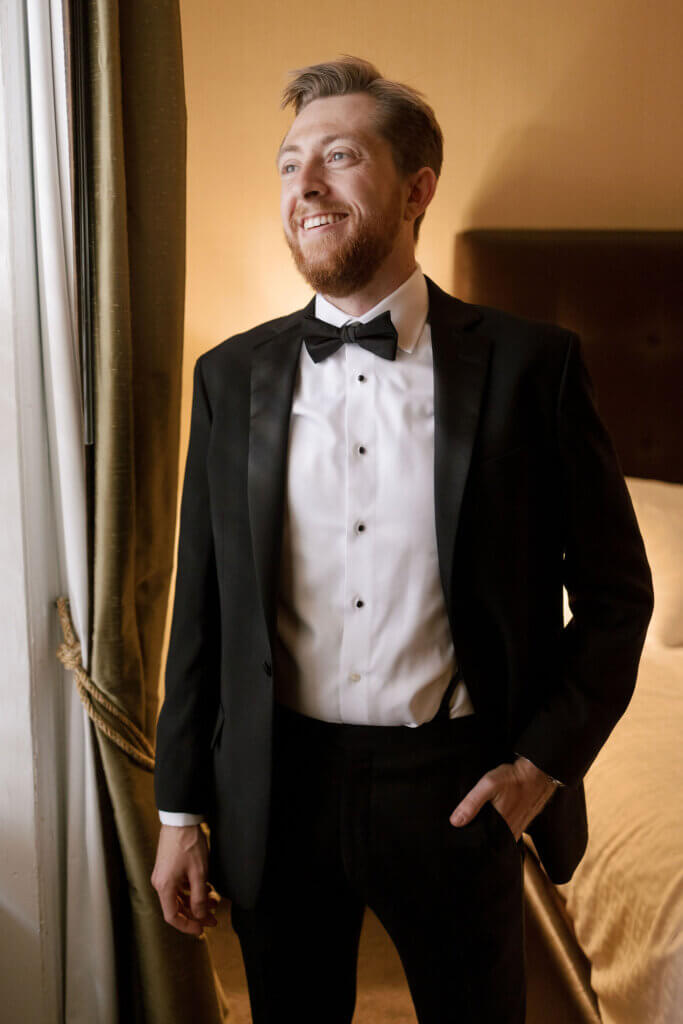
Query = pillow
x=659 y=511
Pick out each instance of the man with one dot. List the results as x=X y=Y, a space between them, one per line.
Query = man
x=370 y=694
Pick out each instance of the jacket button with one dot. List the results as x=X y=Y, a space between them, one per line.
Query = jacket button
x=267 y=668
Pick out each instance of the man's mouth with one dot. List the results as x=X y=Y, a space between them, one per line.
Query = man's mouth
x=321 y=220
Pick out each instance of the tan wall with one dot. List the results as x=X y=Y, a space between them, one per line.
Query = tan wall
x=555 y=114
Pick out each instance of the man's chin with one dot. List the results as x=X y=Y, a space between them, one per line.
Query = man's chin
x=340 y=269
x=329 y=282
x=324 y=275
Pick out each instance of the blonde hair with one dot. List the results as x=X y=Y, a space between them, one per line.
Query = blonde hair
x=404 y=118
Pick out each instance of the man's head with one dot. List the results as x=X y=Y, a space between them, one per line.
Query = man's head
x=362 y=147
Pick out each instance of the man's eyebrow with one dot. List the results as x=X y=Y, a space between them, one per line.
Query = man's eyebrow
x=326 y=139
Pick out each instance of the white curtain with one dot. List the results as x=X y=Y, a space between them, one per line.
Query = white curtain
x=88 y=952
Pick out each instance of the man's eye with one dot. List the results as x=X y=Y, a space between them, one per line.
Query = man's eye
x=338 y=152
x=284 y=168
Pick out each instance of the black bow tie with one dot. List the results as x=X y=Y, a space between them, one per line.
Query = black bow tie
x=322 y=339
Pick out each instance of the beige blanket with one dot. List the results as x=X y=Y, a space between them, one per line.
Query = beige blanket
x=626 y=897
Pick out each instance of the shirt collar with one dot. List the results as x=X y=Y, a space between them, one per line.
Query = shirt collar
x=408 y=306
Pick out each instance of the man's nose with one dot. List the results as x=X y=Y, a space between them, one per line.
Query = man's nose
x=311 y=181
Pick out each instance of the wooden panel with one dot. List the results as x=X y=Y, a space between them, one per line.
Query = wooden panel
x=622 y=291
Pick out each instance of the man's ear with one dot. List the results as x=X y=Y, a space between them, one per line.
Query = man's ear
x=421 y=189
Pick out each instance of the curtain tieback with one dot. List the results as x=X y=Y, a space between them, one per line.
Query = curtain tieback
x=69 y=653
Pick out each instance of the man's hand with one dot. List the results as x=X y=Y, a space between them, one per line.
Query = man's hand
x=180 y=879
x=518 y=791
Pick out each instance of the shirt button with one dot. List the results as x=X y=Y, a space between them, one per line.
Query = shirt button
x=362 y=449
x=354 y=677
x=361 y=377
x=360 y=527
x=359 y=602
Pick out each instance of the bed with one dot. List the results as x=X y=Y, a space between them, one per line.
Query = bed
x=608 y=945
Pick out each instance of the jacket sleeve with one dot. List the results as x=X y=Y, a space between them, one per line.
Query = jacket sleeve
x=191 y=702
x=609 y=587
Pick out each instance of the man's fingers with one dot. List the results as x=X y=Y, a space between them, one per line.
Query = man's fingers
x=185 y=924
x=182 y=861
x=472 y=802
x=517 y=793
x=172 y=905
x=199 y=900
x=201 y=910
x=205 y=918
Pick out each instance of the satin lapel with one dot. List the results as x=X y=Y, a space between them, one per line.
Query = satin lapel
x=273 y=375
x=461 y=360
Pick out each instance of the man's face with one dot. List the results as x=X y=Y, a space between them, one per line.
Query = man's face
x=332 y=161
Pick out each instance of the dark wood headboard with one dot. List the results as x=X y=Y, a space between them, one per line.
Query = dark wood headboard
x=622 y=291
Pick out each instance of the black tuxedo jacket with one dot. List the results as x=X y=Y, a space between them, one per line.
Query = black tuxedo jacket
x=529 y=496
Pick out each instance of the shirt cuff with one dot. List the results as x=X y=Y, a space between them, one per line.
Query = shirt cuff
x=179 y=818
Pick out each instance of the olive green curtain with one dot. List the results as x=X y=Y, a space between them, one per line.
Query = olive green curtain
x=136 y=180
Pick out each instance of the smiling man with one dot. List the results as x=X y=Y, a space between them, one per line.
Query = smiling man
x=352 y=242
x=370 y=693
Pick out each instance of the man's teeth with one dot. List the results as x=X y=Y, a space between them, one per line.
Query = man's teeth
x=326 y=218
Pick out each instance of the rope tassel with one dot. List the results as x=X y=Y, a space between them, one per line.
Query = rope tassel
x=69 y=653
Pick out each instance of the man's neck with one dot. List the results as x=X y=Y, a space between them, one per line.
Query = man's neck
x=385 y=281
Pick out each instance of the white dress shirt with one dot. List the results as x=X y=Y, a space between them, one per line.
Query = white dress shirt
x=363 y=635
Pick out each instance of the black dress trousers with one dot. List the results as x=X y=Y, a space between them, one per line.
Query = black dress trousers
x=359 y=817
